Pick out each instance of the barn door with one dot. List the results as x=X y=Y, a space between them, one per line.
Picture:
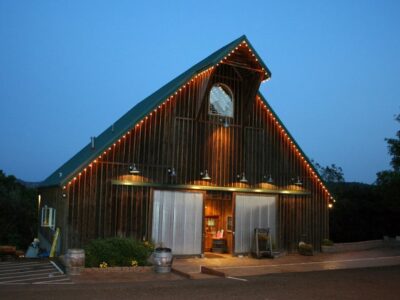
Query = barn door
x=177 y=221
x=252 y=211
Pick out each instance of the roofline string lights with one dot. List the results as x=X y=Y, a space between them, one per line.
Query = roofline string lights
x=244 y=43
x=182 y=88
x=297 y=151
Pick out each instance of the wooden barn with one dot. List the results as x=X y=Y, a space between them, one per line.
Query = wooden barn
x=203 y=156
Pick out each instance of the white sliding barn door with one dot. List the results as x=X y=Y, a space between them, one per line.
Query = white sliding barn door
x=177 y=221
x=252 y=211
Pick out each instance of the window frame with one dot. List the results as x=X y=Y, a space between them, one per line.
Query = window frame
x=229 y=92
x=48 y=217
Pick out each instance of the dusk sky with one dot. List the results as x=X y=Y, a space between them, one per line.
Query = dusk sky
x=69 y=69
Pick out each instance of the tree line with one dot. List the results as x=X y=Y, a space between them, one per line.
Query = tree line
x=365 y=211
x=18 y=212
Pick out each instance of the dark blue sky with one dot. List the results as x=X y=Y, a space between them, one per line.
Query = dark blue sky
x=69 y=69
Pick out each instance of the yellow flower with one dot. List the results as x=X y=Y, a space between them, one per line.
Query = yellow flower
x=103 y=265
x=148 y=245
x=134 y=263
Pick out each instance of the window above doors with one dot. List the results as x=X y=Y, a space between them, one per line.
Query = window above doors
x=221 y=101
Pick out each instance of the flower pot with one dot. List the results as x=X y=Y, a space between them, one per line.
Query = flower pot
x=305 y=249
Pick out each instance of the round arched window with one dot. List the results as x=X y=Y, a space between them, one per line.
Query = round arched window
x=221 y=101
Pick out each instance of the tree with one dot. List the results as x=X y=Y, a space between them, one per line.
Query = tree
x=363 y=211
x=388 y=184
x=330 y=173
x=389 y=177
x=18 y=212
x=357 y=214
x=394 y=149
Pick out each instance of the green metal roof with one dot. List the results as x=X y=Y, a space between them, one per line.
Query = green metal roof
x=80 y=160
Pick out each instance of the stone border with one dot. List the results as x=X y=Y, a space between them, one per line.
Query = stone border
x=210 y=271
x=181 y=273
x=139 y=269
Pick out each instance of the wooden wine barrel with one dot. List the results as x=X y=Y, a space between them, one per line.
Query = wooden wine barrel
x=75 y=261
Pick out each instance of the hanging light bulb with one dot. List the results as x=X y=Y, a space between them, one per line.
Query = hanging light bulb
x=134 y=170
x=226 y=123
x=268 y=179
x=298 y=181
x=205 y=175
x=172 y=172
x=242 y=178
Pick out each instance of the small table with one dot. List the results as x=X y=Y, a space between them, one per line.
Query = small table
x=218 y=245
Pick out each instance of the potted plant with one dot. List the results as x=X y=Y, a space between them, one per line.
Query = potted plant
x=305 y=249
x=327 y=246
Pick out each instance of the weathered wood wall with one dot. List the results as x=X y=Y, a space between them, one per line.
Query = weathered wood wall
x=52 y=197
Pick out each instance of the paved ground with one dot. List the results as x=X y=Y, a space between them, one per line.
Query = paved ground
x=43 y=272
x=242 y=267
x=121 y=277
x=31 y=272
x=355 y=275
x=369 y=283
x=228 y=266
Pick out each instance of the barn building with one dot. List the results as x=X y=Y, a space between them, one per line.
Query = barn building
x=204 y=155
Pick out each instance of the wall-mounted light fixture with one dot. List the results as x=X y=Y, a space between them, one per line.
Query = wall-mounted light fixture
x=204 y=175
x=225 y=122
x=171 y=172
x=268 y=179
x=330 y=205
x=242 y=178
x=134 y=170
x=298 y=181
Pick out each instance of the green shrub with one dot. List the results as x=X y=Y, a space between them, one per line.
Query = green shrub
x=117 y=252
x=327 y=242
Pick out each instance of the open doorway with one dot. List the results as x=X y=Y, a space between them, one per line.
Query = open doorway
x=218 y=223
